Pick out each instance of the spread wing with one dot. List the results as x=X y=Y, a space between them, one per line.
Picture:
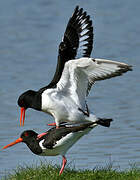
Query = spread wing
x=78 y=34
x=78 y=37
x=78 y=76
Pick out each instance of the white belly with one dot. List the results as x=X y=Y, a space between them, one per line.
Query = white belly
x=64 y=144
x=62 y=108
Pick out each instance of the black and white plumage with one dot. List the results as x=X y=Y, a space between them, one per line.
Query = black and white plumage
x=78 y=36
x=57 y=141
x=67 y=102
x=65 y=97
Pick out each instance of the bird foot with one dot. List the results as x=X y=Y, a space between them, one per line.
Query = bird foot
x=40 y=135
x=84 y=112
x=52 y=124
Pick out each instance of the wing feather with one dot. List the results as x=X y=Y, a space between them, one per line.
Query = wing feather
x=79 y=76
x=79 y=30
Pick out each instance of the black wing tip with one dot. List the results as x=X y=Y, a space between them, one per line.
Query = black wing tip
x=104 y=122
x=79 y=26
x=126 y=68
x=130 y=68
x=76 y=8
x=123 y=69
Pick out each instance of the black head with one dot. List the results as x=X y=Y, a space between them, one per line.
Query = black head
x=28 y=134
x=29 y=99
x=26 y=99
x=30 y=138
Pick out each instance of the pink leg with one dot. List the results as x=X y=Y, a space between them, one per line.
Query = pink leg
x=40 y=135
x=52 y=124
x=63 y=165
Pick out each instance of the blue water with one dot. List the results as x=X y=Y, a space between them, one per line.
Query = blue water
x=30 y=32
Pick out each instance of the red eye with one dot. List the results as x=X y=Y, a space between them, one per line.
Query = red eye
x=26 y=134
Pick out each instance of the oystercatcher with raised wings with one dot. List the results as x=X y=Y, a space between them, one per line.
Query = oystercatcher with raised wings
x=57 y=141
x=65 y=97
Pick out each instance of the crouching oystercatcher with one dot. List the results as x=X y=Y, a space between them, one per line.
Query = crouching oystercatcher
x=57 y=141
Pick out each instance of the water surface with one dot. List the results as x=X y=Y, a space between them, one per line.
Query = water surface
x=30 y=32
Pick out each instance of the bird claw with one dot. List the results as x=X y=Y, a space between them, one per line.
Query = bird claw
x=84 y=112
x=52 y=124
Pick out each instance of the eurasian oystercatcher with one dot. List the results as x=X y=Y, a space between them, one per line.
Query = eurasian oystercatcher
x=65 y=97
x=78 y=39
x=57 y=141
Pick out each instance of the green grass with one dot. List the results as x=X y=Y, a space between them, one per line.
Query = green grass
x=49 y=172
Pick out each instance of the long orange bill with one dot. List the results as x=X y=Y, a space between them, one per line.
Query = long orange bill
x=13 y=143
x=22 y=116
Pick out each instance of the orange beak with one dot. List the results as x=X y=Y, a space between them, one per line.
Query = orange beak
x=22 y=116
x=13 y=143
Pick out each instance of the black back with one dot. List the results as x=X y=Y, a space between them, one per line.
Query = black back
x=53 y=135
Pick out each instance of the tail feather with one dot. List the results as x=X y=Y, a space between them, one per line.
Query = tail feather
x=104 y=122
